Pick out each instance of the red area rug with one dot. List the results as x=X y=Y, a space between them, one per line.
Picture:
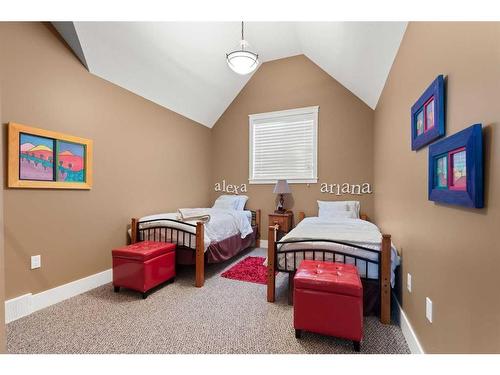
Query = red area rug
x=249 y=269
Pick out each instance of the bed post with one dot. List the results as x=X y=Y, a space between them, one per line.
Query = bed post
x=133 y=230
x=385 y=280
x=200 y=255
x=271 y=267
x=300 y=216
x=257 y=222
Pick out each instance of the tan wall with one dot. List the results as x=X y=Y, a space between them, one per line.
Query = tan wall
x=2 y=268
x=344 y=140
x=146 y=159
x=452 y=253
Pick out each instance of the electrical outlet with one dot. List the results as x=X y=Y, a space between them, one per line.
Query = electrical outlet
x=428 y=309
x=36 y=261
x=408 y=282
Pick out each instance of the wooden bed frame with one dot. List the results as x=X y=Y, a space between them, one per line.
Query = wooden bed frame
x=384 y=264
x=155 y=233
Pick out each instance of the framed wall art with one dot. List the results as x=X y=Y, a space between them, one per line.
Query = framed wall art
x=427 y=115
x=46 y=159
x=456 y=169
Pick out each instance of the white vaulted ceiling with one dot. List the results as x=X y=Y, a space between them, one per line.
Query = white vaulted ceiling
x=181 y=65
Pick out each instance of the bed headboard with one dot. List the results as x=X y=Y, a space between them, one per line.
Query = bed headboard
x=301 y=215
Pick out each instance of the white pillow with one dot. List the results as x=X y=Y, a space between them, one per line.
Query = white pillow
x=241 y=202
x=338 y=209
x=227 y=202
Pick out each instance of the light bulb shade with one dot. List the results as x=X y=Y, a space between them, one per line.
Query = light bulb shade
x=242 y=62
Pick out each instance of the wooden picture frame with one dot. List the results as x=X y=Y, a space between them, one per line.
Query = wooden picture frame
x=427 y=115
x=456 y=169
x=44 y=159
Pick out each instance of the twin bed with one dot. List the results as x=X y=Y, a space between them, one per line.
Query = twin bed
x=339 y=234
x=206 y=235
x=343 y=240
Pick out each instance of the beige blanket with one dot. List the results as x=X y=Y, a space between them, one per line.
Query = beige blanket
x=193 y=214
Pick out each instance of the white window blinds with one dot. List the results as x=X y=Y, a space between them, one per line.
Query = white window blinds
x=283 y=145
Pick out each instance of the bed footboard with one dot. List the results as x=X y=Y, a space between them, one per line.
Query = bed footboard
x=160 y=232
x=383 y=262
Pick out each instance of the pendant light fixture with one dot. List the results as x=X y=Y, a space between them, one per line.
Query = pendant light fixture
x=242 y=61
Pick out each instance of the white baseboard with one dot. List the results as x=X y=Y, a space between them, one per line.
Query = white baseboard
x=408 y=332
x=18 y=307
x=26 y=304
x=263 y=244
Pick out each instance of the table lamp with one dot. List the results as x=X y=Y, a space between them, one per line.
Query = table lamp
x=281 y=188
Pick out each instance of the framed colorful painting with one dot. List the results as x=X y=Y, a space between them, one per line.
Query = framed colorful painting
x=427 y=115
x=456 y=169
x=45 y=159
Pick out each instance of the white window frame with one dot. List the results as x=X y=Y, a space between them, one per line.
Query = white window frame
x=289 y=112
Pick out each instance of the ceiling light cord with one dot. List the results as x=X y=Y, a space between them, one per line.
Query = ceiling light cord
x=242 y=36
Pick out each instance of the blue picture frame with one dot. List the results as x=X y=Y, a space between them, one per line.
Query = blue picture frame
x=427 y=115
x=466 y=144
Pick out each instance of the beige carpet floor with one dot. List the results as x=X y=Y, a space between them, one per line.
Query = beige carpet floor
x=225 y=316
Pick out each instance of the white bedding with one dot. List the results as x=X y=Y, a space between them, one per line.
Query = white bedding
x=223 y=223
x=355 y=231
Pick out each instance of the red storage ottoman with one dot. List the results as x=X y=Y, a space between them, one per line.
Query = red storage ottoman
x=328 y=299
x=143 y=265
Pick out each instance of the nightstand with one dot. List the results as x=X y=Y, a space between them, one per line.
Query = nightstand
x=285 y=221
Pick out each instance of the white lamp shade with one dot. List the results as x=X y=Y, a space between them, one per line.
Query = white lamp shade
x=281 y=187
x=242 y=62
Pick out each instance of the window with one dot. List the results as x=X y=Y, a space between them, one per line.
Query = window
x=283 y=145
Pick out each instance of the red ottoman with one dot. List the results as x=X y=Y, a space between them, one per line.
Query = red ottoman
x=143 y=265
x=328 y=299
